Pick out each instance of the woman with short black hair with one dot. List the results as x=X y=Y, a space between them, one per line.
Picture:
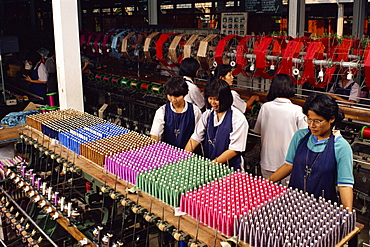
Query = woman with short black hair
x=277 y=122
x=175 y=121
x=225 y=72
x=319 y=159
x=222 y=129
x=188 y=69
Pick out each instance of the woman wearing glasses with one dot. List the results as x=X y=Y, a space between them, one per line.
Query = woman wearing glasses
x=319 y=159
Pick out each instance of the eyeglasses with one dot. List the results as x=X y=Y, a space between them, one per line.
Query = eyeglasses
x=315 y=121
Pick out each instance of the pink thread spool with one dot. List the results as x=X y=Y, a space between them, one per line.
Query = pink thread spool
x=52 y=97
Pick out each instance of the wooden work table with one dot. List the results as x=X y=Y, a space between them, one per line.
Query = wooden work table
x=188 y=224
x=9 y=134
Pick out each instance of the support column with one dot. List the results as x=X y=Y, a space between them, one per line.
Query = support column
x=340 y=20
x=67 y=51
x=359 y=7
x=33 y=15
x=297 y=19
x=153 y=12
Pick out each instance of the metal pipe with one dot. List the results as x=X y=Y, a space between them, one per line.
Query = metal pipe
x=29 y=218
x=328 y=62
x=2 y=242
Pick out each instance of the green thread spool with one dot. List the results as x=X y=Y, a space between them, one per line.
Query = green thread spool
x=157 y=89
x=91 y=76
x=98 y=77
x=124 y=82
x=114 y=79
x=135 y=84
x=106 y=78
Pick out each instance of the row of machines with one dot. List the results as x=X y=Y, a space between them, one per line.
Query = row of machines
x=307 y=60
x=81 y=180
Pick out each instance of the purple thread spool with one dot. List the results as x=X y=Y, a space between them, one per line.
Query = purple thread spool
x=56 y=199
x=33 y=179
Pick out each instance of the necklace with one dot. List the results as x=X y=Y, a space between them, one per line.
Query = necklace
x=212 y=141
x=308 y=168
x=177 y=130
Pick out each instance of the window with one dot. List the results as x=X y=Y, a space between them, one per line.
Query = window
x=229 y=4
x=203 y=5
x=167 y=6
x=117 y=11
x=183 y=6
x=129 y=10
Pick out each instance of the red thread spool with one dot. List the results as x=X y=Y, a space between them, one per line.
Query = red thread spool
x=144 y=86
x=365 y=133
x=249 y=108
x=88 y=187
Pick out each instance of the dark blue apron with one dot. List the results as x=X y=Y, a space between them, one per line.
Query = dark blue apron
x=343 y=91
x=323 y=166
x=217 y=139
x=178 y=126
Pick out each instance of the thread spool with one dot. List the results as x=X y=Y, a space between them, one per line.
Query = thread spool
x=51 y=97
x=365 y=133
x=114 y=80
x=124 y=82
x=43 y=109
x=145 y=86
x=107 y=78
x=135 y=84
x=91 y=76
x=157 y=89
x=98 y=76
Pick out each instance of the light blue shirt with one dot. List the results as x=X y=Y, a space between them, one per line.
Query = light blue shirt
x=342 y=149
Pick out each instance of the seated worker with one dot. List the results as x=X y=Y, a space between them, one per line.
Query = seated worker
x=39 y=77
x=319 y=159
x=188 y=69
x=175 y=121
x=345 y=87
x=222 y=129
x=224 y=72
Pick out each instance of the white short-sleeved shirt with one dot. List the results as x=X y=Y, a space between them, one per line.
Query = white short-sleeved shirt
x=42 y=72
x=277 y=122
x=354 y=93
x=194 y=95
x=238 y=102
x=158 y=121
x=238 y=137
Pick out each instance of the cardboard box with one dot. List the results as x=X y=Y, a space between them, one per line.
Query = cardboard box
x=32 y=106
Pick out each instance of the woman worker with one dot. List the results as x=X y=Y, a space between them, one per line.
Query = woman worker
x=175 y=121
x=277 y=122
x=224 y=72
x=319 y=159
x=222 y=129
